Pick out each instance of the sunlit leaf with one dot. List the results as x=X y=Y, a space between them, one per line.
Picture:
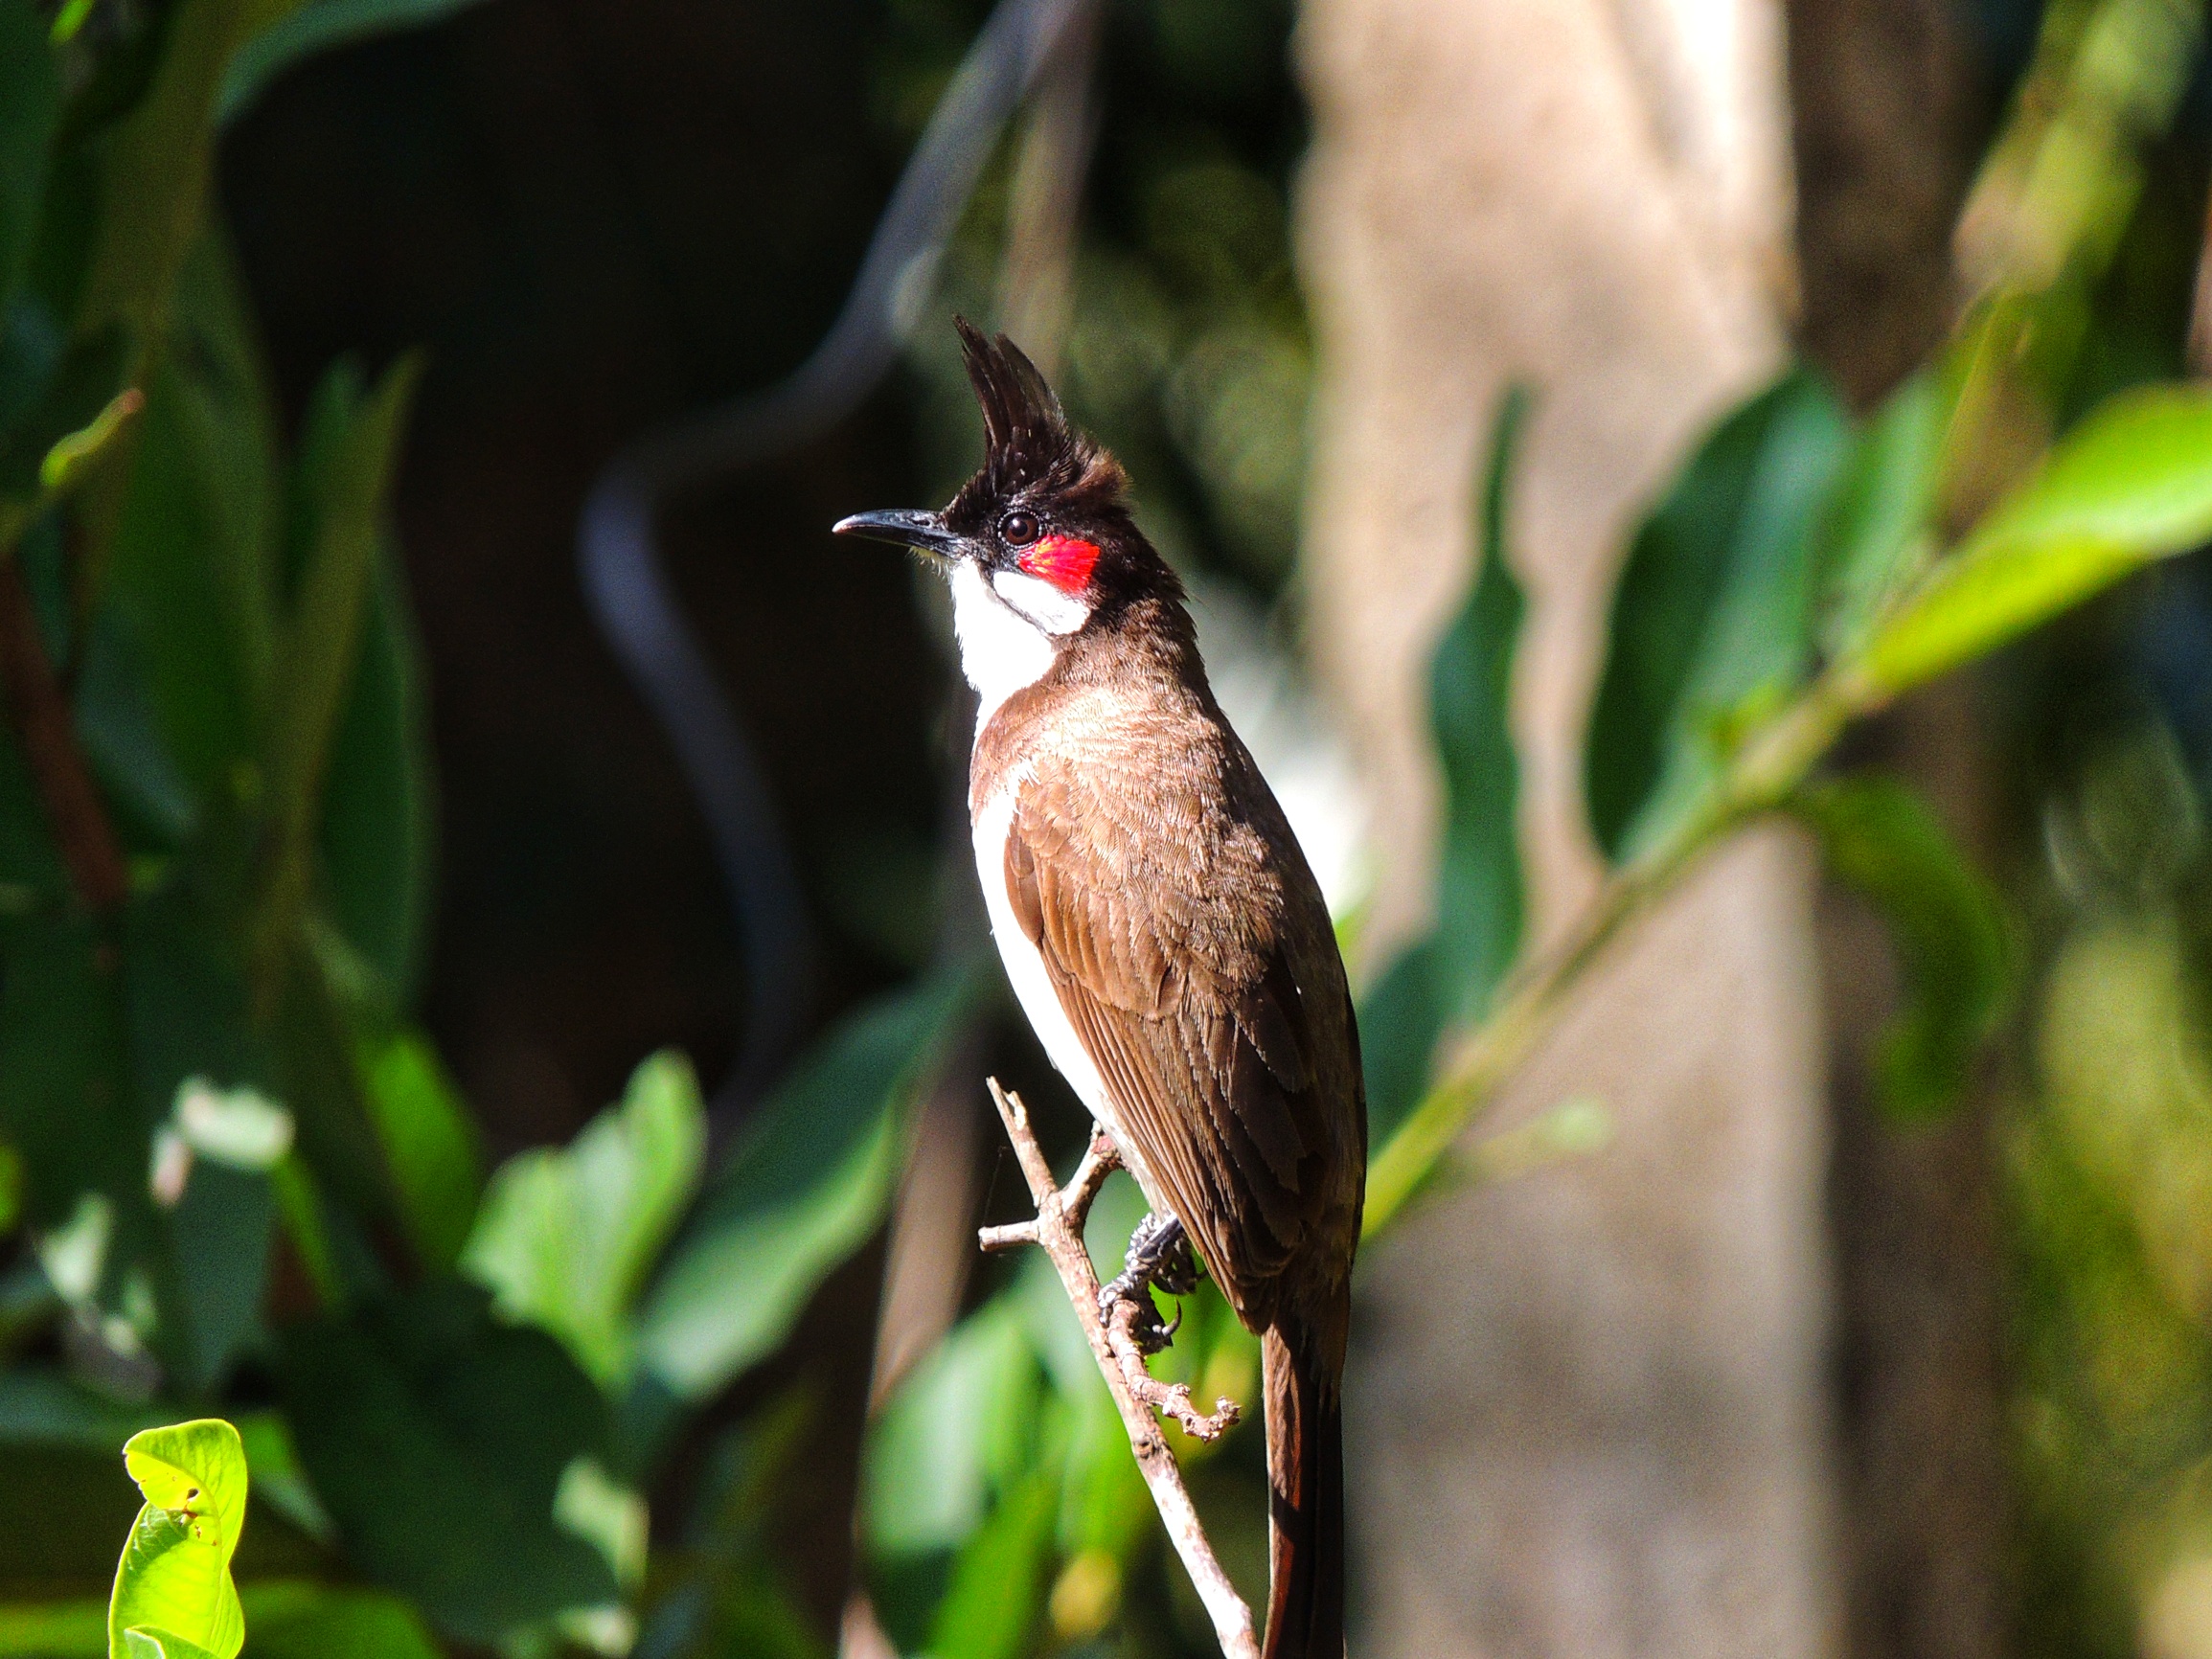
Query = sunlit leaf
x=998 y=1578
x=566 y=1236
x=1880 y=838
x=437 y=1439
x=175 y=1580
x=319 y=26
x=1713 y=608
x=803 y=1189
x=1877 y=529
x=959 y=1431
x=429 y=1142
x=145 y=1642
x=2132 y=483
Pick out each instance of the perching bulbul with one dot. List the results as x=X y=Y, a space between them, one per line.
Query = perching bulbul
x=1161 y=929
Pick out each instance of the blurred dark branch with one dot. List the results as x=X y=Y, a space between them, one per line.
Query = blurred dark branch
x=38 y=713
x=1060 y=1212
x=618 y=552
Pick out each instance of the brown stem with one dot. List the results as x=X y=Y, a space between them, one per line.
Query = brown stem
x=1171 y=1397
x=1058 y=1229
x=38 y=710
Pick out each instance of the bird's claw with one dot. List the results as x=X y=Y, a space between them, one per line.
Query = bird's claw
x=1159 y=1257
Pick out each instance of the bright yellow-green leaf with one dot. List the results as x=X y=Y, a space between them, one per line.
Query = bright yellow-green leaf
x=173 y=1584
x=2132 y=484
x=567 y=1237
x=149 y=1643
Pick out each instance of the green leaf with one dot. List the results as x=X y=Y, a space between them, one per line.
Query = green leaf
x=67 y=399
x=228 y=416
x=175 y=1580
x=436 y=1440
x=959 y=1431
x=302 y=1621
x=806 y=1187
x=185 y=999
x=566 y=1236
x=145 y=1642
x=1878 y=531
x=997 y=1588
x=173 y=606
x=1479 y=884
x=345 y=472
x=1714 y=609
x=1400 y=1018
x=154 y=170
x=1948 y=926
x=319 y=26
x=430 y=1143
x=1452 y=974
x=29 y=106
x=2131 y=483
x=43 y=1408
x=377 y=839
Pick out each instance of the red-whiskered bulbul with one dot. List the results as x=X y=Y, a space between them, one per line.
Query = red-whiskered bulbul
x=1161 y=930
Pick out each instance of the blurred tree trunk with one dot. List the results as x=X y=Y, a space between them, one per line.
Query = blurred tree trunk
x=1590 y=1412
x=1886 y=112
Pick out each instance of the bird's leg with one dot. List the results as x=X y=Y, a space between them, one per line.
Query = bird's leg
x=1159 y=1255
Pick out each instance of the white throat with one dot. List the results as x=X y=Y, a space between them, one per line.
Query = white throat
x=1009 y=626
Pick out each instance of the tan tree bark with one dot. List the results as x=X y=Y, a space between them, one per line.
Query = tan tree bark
x=1587 y=1411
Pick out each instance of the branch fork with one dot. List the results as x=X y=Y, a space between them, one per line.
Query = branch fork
x=1058 y=1229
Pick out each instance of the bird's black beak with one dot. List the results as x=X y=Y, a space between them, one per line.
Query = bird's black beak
x=924 y=531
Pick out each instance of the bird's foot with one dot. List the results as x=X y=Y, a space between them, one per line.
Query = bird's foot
x=1159 y=1256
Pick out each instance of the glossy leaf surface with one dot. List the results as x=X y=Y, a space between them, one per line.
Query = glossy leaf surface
x=803 y=1189
x=2132 y=483
x=173 y=1584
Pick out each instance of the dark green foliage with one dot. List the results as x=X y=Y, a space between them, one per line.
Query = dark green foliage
x=437 y=1439
x=1479 y=885
x=1714 y=609
x=30 y=104
x=1881 y=839
x=1450 y=977
x=805 y=1188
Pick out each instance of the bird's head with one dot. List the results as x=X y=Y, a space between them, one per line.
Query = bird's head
x=1043 y=532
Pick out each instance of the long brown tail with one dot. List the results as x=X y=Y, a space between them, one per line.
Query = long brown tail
x=1306 y=1509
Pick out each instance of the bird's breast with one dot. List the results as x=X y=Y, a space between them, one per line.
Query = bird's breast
x=1033 y=987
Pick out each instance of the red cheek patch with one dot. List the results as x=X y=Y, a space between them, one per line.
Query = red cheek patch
x=1061 y=561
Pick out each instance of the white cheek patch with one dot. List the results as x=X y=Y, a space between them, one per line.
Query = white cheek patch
x=1000 y=650
x=1052 y=610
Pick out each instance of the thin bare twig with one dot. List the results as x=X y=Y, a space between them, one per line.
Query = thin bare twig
x=1058 y=1231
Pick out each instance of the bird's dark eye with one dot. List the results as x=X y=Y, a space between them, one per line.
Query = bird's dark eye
x=1017 y=529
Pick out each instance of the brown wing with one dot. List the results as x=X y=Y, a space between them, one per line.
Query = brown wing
x=1195 y=963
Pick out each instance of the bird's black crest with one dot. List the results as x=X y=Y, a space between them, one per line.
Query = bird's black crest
x=1030 y=450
